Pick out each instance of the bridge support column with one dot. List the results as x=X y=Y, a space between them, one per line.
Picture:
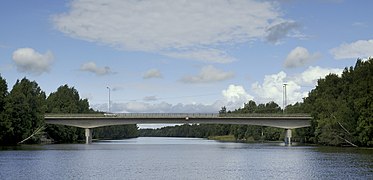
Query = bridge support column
x=287 y=136
x=88 y=136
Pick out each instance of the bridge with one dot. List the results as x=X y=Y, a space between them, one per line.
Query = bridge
x=90 y=121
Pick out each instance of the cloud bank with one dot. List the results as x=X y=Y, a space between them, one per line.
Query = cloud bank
x=358 y=49
x=29 y=61
x=271 y=89
x=198 y=30
x=233 y=97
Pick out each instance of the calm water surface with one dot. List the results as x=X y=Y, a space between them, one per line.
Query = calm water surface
x=183 y=158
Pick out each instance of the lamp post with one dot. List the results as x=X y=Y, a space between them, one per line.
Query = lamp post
x=109 y=98
x=284 y=97
x=287 y=131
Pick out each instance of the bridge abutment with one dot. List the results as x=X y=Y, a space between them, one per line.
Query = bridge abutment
x=88 y=136
x=287 y=136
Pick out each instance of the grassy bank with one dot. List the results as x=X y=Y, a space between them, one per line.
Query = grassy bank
x=229 y=138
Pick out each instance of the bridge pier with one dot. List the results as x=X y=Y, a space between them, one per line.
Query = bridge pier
x=287 y=136
x=88 y=136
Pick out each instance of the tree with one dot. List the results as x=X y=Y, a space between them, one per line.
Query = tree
x=223 y=110
x=3 y=93
x=5 y=124
x=342 y=107
x=24 y=109
x=66 y=100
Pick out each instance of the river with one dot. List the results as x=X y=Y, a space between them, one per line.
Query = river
x=183 y=158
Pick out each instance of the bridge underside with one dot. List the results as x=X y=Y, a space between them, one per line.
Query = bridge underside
x=259 y=121
x=90 y=122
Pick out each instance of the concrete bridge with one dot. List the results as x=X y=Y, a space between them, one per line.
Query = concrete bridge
x=90 y=121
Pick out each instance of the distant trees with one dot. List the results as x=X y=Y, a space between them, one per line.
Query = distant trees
x=116 y=132
x=240 y=132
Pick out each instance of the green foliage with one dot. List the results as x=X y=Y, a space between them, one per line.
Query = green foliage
x=239 y=132
x=5 y=124
x=66 y=100
x=116 y=132
x=3 y=93
x=23 y=112
x=342 y=107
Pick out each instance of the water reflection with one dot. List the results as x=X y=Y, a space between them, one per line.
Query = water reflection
x=183 y=158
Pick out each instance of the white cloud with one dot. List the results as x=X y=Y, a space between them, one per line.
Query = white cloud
x=207 y=55
x=312 y=74
x=177 y=28
x=272 y=87
x=152 y=73
x=93 y=68
x=30 y=61
x=208 y=74
x=358 y=49
x=300 y=56
x=235 y=97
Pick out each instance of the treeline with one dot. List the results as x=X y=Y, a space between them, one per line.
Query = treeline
x=22 y=115
x=341 y=107
x=240 y=132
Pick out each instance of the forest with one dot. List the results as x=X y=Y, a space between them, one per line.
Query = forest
x=341 y=107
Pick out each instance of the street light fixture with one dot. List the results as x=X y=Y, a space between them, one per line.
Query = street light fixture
x=284 y=100
x=109 y=98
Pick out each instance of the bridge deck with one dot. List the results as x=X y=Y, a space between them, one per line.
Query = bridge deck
x=287 y=121
x=175 y=115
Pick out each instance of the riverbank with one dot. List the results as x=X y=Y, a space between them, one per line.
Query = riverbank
x=230 y=138
x=226 y=138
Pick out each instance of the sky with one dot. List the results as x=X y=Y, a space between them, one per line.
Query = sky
x=182 y=56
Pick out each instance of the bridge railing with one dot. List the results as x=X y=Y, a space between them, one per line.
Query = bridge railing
x=263 y=115
x=175 y=115
x=139 y=115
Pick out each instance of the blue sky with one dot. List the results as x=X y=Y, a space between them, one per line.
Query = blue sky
x=181 y=56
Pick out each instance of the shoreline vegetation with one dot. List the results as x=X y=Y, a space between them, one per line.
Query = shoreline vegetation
x=341 y=107
x=224 y=138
